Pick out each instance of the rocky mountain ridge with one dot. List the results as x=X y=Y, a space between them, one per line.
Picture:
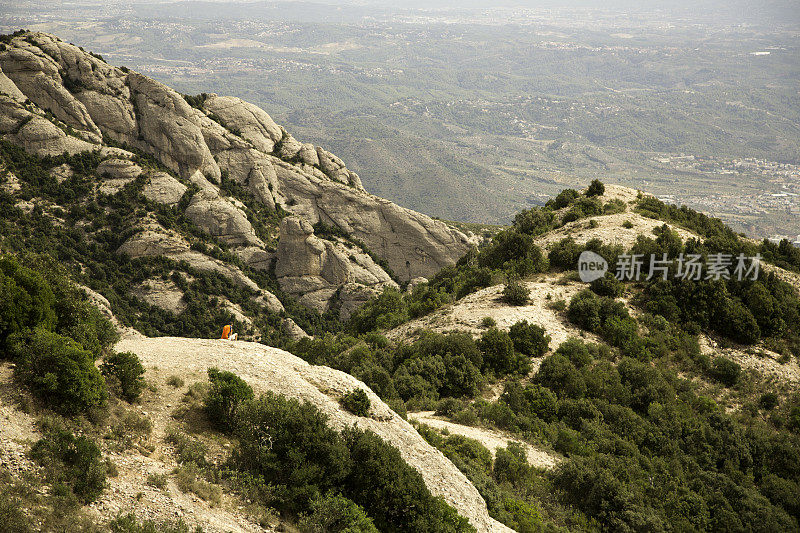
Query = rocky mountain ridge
x=56 y=98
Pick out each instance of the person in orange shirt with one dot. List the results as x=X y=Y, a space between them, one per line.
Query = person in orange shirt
x=226 y=331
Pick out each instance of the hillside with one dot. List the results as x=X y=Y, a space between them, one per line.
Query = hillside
x=194 y=191
x=393 y=373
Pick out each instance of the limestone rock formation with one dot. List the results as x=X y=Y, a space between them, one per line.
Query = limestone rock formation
x=316 y=269
x=164 y=189
x=220 y=218
x=54 y=97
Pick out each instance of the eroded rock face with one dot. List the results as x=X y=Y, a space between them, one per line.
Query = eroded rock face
x=253 y=122
x=164 y=189
x=413 y=244
x=315 y=269
x=220 y=218
x=153 y=240
x=94 y=102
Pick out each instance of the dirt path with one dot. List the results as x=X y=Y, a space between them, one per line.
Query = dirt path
x=492 y=440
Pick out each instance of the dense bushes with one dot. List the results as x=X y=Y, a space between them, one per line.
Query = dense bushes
x=643 y=449
x=26 y=300
x=529 y=339
x=290 y=446
x=70 y=463
x=127 y=369
x=499 y=355
x=227 y=392
x=333 y=513
x=58 y=370
x=433 y=367
x=383 y=312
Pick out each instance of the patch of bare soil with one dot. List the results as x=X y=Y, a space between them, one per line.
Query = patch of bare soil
x=492 y=440
x=467 y=313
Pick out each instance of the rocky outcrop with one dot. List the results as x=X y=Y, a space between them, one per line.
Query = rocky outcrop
x=220 y=218
x=316 y=270
x=89 y=103
x=271 y=369
x=153 y=241
x=164 y=189
x=413 y=244
x=253 y=122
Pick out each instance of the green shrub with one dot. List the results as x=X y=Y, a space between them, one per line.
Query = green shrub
x=333 y=513
x=563 y=199
x=175 y=382
x=627 y=224
x=515 y=293
x=357 y=402
x=498 y=353
x=26 y=301
x=529 y=339
x=511 y=464
x=127 y=369
x=227 y=392
x=291 y=446
x=725 y=371
x=488 y=322
x=576 y=351
x=58 y=370
x=768 y=401
x=384 y=312
x=534 y=221
x=71 y=461
x=558 y=374
x=12 y=515
x=608 y=285
x=596 y=188
x=385 y=486
x=158 y=481
x=128 y=524
x=564 y=254
x=533 y=399
x=187 y=449
x=188 y=478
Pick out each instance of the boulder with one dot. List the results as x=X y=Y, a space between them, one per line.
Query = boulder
x=253 y=122
x=163 y=189
x=220 y=218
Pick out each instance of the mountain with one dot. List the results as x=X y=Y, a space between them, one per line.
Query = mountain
x=218 y=165
x=390 y=375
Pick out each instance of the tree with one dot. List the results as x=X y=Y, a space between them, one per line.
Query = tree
x=128 y=370
x=498 y=353
x=333 y=513
x=596 y=188
x=725 y=371
x=529 y=339
x=227 y=392
x=558 y=374
x=515 y=293
x=26 y=300
x=58 y=370
x=357 y=402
